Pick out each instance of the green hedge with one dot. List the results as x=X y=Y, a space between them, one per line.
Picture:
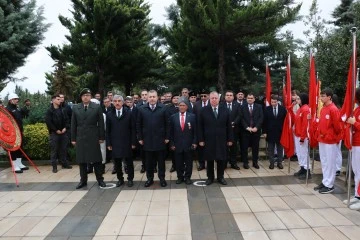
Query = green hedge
x=36 y=141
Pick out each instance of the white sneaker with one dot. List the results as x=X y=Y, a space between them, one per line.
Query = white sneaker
x=17 y=168
x=355 y=206
x=352 y=200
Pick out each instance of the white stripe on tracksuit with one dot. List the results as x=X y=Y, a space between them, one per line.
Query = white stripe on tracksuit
x=339 y=157
x=328 y=155
x=302 y=152
x=355 y=163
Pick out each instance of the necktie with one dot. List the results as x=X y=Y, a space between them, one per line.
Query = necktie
x=229 y=106
x=182 y=122
x=118 y=114
x=215 y=113
x=251 y=116
x=204 y=104
x=275 y=111
x=85 y=108
x=152 y=107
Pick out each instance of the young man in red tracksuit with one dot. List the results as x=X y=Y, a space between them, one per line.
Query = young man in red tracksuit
x=355 y=158
x=328 y=135
x=301 y=124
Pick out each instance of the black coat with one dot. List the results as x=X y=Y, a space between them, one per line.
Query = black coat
x=234 y=115
x=258 y=118
x=273 y=125
x=152 y=127
x=16 y=113
x=87 y=128
x=171 y=109
x=183 y=140
x=215 y=132
x=120 y=133
x=57 y=120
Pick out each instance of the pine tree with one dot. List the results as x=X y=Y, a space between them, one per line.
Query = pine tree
x=21 y=30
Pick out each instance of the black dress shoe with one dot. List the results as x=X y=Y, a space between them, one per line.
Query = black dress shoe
x=209 y=181
x=256 y=165
x=25 y=168
x=172 y=169
x=272 y=165
x=188 y=181
x=130 y=183
x=19 y=171
x=179 y=181
x=101 y=184
x=201 y=168
x=81 y=185
x=142 y=169
x=222 y=181
x=163 y=183
x=54 y=170
x=235 y=166
x=155 y=170
x=280 y=166
x=113 y=171
x=119 y=183
x=149 y=182
x=246 y=166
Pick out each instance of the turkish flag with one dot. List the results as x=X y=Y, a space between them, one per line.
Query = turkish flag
x=313 y=95
x=287 y=138
x=268 y=86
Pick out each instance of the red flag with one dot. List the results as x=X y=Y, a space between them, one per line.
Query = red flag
x=287 y=138
x=348 y=106
x=268 y=86
x=312 y=102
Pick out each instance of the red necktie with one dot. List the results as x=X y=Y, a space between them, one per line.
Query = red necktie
x=182 y=122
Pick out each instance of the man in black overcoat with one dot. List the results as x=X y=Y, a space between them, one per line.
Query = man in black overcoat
x=87 y=132
x=121 y=138
x=215 y=135
x=183 y=140
x=274 y=116
x=251 y=120
x=153 y=134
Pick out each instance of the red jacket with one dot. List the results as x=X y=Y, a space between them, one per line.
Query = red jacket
x=329 y=127
x=356 y=129
x=301 y=122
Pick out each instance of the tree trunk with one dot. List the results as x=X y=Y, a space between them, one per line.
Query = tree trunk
x=101 y=82
x=128 y=88
x=221 y=70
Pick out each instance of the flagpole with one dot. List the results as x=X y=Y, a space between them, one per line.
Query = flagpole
x=353 y=31
x=288 y=91
x=309 y=118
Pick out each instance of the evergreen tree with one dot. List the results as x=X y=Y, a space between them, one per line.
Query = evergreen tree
x=21 y=30
x=343 y=13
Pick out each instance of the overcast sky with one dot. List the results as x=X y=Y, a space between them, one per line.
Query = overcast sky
x=39 y=62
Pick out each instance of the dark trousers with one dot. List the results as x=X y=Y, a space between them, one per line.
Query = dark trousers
x=84 y=175
x=232 y=151
x=151 y=158
x=173 y=160
x=220 y=169
x=252 y=140
x=200 y=151
x=271 y=149
x=130 y=168
x=184 y=164
x=58 y=148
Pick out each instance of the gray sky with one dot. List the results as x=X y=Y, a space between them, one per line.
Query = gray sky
x=39 y=62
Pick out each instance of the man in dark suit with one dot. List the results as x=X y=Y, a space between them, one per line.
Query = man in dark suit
x=234 y=109
x=274 y=116
x=251 y=120
x=171 y=109
x=192 y=101
x=153 y=134
x=240 y=97
x=215 y=135
x=183 y=140
x=199 y=105
x=121 y=139
x=87 y=132
x=144 y=98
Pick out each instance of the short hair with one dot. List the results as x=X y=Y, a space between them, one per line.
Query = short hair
x=98 y=93
x=153 y=91
x=184 y=89
x=109 y=92
x=251 y=94
x=295 y=92
x=105 y=98
x=143 y=90
x=328 y=92
x=118 y=97
x=129 y=98
x=229 y=91
x=304 y=97
x=55 y=96
x=274 y=97
x=214 y=92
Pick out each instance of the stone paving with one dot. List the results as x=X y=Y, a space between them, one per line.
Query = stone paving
x=256 y=204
